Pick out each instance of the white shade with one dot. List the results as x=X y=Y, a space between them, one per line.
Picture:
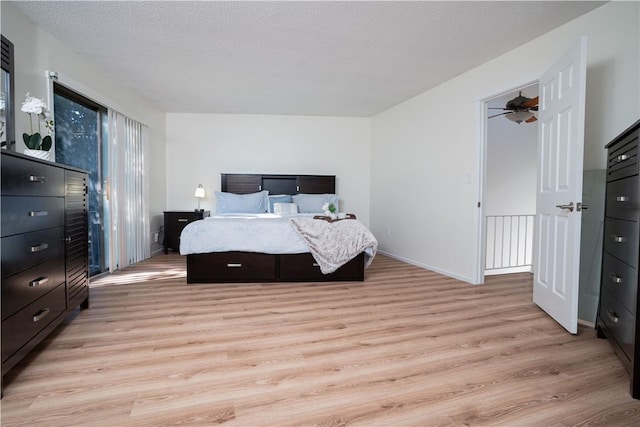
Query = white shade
x=200 y=191
x=519 y=116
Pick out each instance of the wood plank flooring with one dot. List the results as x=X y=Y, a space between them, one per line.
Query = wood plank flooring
x=405 y=347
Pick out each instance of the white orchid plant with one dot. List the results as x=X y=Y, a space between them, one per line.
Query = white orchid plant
x=36 y=106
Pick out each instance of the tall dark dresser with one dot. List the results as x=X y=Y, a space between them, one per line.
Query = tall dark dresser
x=44 y=250
x=617 y=312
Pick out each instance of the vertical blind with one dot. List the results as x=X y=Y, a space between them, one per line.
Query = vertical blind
x=128 y=191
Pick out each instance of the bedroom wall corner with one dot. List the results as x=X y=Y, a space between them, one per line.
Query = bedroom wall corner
x=428 y=145
x=36 y=51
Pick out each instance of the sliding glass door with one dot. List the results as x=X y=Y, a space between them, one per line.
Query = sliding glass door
x=81 y=128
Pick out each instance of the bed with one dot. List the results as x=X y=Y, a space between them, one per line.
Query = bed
x=211 y=264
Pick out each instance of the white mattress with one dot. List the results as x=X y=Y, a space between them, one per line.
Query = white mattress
x=266 y=233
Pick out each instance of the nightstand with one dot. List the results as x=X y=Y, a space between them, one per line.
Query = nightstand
x=174 y=222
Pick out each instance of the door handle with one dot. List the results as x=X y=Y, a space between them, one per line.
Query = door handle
x=569 y=207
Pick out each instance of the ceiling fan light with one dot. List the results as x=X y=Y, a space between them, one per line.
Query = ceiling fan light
x=519 y=116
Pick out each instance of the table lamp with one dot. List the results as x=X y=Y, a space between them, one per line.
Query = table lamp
x=199 y=195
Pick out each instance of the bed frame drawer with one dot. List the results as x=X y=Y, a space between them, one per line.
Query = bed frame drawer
x=304 y=268
x=231 y=267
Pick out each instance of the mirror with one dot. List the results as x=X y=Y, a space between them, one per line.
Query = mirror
x=7 y=98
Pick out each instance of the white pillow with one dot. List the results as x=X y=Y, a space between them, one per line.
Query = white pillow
x=285 y=208
x=312 y=203
x=241 y=203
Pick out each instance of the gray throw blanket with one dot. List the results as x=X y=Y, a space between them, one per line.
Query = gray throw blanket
x=333 y=244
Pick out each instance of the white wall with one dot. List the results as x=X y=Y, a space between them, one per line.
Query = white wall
x=202 y=146
x=36 y=52
x=424 y=167
x=511 y=167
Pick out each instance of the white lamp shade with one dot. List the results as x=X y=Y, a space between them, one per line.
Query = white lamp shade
x=200 y=192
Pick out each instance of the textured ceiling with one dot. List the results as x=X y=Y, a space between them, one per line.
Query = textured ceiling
x=313 y=58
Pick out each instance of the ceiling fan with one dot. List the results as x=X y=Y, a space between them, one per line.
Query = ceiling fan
x=519 y=109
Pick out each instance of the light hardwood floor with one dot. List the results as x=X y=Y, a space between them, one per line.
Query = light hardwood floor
x=405 y=347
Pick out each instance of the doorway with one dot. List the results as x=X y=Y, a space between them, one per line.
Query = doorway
x=510 y=184
x=81 y=128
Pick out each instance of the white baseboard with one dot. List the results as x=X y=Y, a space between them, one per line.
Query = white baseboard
x=428 y=267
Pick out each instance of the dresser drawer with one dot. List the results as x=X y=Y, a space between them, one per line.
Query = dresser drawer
x=18 y=329
x=303 y=267
x=621 y=280
x=619 y=321
x=231 y=267
x=20 y=290
x=623 y=199
x=622 y=158
x=26 y=250
x=621 y=240
x=23 y=214
x=23 y=177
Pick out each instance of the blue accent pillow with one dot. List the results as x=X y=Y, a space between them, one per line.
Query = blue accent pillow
x=241 y=203
x=278 y=198
x=312 y=203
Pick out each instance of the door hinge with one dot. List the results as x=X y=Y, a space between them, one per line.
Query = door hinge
x=478 y=204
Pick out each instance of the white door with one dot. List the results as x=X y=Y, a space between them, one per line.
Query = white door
x=559 y=187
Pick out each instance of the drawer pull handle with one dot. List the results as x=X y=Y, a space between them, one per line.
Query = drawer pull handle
x=315 y=264
x=38 y=213
x=613 y=316
x=232 y=265
x=35 y=178
x=183 y=219
x=39 y=281
x=40 y=247
x=615 y=278
x=621 y=158
x=618 y=239
x=41 y=314
x=622 y=199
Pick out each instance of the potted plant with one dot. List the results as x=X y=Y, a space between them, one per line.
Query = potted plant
x=330 y=210
x=37 y=146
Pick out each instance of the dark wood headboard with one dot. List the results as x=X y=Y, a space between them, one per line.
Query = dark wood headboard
x=278 y=184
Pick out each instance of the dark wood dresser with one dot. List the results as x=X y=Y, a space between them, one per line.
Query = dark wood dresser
x=44 y=250
x=175 y=222
x=617 y=312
